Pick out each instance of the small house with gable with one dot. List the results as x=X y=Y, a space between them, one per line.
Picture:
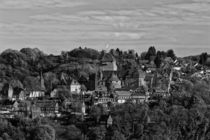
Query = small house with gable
x=75 y=86
x=122 y=96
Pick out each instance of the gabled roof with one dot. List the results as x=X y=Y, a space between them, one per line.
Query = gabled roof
x=114 y=77
x=74 y=82
x=169 y=60
x=109 y=120
x=101 y=88
x=107 y=57
x=123 y=93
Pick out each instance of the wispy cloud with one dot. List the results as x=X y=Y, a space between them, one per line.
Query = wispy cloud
x=122 y=22
x=21 y=4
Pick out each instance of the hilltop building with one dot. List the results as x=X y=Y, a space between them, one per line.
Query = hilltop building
x=108 y=65
x=135 y=79
x=114 y=81
x=109 y=121
x=36 y=91
x=13 y=91
x=75 y=86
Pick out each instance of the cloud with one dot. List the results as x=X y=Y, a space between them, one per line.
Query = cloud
x=22 y=4
x=101 y=21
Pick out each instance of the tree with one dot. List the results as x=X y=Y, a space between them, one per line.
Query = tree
x=43 y=132
x=31 y=83
x=151 y=52
x=63 y=94
x=97 y=133
x=158 y=60
x=83 y=87
x=50 y=80
x=118 y=136
x=32 y=54
x=70 y=132
x=203 y=58
x=96 y=112
x=131 y=54
x=84 y=53
x=170 y=53
x=143 y=55
x=14 y=58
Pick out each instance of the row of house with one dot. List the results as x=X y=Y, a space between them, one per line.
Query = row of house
x=29 y=109
x=122 y=96
x=14 y=93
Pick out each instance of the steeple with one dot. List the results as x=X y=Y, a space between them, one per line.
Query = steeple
x=83 y=109
x=10 y=92
x=109 y=121
x=42 y=82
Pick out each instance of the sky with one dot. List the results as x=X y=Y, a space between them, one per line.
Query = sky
x=61 y=25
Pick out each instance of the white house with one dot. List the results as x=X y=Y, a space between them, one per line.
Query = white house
x=115 y=81
x=75 y=87
x=38 y=90
x=36 y=94
x=123 y=96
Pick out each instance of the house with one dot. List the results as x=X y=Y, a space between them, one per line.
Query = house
x=83 y=109
x=109 y=121
x=35 y=93
x=108 y=62
x=54 y=93
x=15 y=106
x=93 y=81
x=59 y=90
x=75 y=87
x=24 y=108
x=207 y=72
x=13 y=90
x=122 y=96
x=6 y=114
x=35 y=111
x=135 y=79
x=150 y=67
x=115 y=81
x=149 y=79
x=161 y=92
x=108 y=65
x=10 y=92
x=21 y=96
x=102 y=96
x=101 y=89
x=36 y=90
x=177 y=68
x=48 y=107
x=169 y=60
x=138 y=98
x=104 y=100
x=7 y=105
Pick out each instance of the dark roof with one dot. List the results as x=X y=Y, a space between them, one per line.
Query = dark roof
x=114 y=77
x=74 y=82
x=7 y=102
x=101 y=88
x=123 y=93
x=108 y=58
x=46 y=103
x=148 y=77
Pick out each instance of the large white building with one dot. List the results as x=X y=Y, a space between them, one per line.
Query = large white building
x=75 y=87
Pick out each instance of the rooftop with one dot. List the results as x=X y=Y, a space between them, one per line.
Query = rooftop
x=107 y=57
